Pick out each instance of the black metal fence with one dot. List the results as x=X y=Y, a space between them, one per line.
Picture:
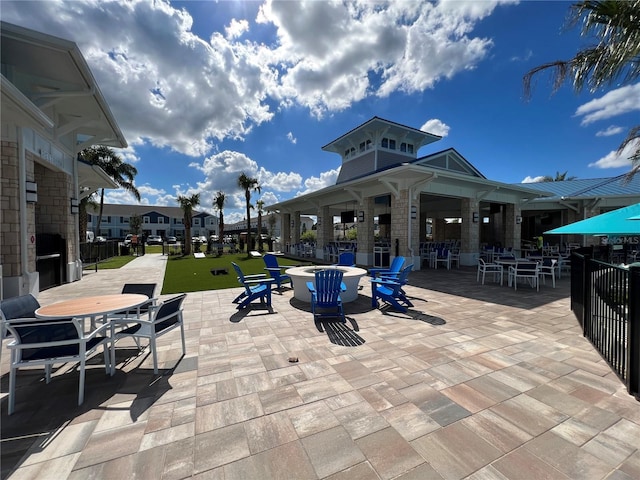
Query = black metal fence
x=93 y=253
x=606 y=301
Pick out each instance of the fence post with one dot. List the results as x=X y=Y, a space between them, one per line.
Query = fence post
x=586 y=295
x=633 y=347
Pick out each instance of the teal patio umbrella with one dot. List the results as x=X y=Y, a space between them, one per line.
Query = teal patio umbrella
x=623 y=221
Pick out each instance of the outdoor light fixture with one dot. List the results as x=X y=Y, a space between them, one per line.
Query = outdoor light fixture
x=32 y=192
x=414 y=212
x=518 y=219
x=361 y=216
x=319 y=222
x=74 y=206
x=475 y=217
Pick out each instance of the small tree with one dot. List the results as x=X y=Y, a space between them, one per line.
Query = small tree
x=218 y=203
x=260 y=207
x=247 y=184
x=135 y=224
x=188 y=204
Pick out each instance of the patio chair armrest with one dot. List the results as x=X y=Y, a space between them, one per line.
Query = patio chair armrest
x=384 y=281
x=311 y=287
x=255 y=276
x=273 y=269
x=257 y=281
x=343 y=287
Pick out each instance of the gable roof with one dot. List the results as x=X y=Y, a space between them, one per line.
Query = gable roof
x=449 y=160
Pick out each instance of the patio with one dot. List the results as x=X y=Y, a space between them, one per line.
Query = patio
x=474 y=382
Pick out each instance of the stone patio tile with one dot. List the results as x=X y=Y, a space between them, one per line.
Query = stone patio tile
x=344 y=400
x=442 y=449
x=381 y=396
x=256 y=382
x=331 y=451
x=178 y=461
x=110 y=444
x=561 y=401
x=626 y=431
x=566 y=457
x=596 y=417
x=360 y=419
x=500 y=433
x=421 y=472
x=287 y=375
x=167 y=435
x=389 y=453
x=280 y=398
x=410 y=421
x=61 y=442
x=269 y=431
x=318 y=368
x=631 y=466
x=58 y=467
x=575 y=431
x=468 y=398
x=228 y=412
x=523 y=464
x=529 y=414
x=361 y=471
x=312 y=418
x=288 y=461
x=315 y=389
x=219 y=447
x=610 y=448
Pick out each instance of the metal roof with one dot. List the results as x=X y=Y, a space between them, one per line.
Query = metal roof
x=587 y=188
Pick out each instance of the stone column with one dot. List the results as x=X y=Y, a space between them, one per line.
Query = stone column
x=285 y=231
x=366 y=236
x=470 y=231
x=512 y=230
x=295 y=234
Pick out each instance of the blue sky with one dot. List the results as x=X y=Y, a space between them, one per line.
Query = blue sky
x=204 y=91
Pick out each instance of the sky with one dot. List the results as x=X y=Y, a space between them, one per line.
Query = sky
x=204 y=91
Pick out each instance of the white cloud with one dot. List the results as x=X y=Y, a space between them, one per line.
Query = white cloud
x=610 y=131
x=522 y=58
x=326 y=179
x=236 y=28
x=291 y=138
x=530 y=179
x=616 y=102
x=615 y=160
x=437 y=127
x=170 y=88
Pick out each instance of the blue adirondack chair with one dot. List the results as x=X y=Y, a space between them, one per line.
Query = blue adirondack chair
x=390 y=290
x=392 y=271
x=255 y=288
x=275 y=270
x=325 y=294
x=347 y=259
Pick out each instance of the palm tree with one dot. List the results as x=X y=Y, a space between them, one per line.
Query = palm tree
x=260 y=207
x=218 y=204
x=83 y=220
x=120 y=172
x=188 y=204
x=560 y=177
x=247 y=184
x=616 y=25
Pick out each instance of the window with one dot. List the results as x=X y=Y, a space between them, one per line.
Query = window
x=368 y=147
x=352 y=151
x=346 y=153
x=145 y=220
x=196 y=222
x=362 y=147
x=385 y=143
x=161 y=220
x=392 y=144
x=403 y=147
x=410 y=147
x=124 y=219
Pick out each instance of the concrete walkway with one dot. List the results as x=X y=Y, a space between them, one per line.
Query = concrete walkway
x=479 y=382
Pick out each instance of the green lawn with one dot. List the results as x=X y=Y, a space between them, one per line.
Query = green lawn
x=113 y=262
x=189 y=274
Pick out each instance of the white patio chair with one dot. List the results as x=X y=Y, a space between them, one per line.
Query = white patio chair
x=41 y=342
x=492 y=268
x=443 y=256
x=529 y=271
x=549 y=268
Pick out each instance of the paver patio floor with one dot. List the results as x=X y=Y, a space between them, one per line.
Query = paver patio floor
x=475 y=381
